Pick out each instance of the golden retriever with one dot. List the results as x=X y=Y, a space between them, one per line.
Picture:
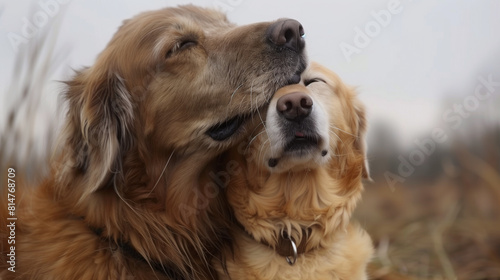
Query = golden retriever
x=295 y=184
x=173 y=89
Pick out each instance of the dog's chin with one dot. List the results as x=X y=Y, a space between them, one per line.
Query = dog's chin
x=299 y=154
x=289 y=163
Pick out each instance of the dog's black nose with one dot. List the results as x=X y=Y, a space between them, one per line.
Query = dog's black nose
x=295 y=106
x=287 y=33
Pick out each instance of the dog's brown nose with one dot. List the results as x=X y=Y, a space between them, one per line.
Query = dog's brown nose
x=295 y=106
x=287 y=33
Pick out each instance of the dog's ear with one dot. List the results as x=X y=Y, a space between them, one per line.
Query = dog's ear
x=360 y=142
x=99 y=126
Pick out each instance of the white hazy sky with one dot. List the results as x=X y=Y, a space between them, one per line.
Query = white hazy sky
x=426 y=50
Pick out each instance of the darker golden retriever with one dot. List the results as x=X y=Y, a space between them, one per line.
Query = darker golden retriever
x=173 y=89
x=299 y=179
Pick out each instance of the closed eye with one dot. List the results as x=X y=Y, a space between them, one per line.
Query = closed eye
x=315 y=80
x=181 y=46
x=186 y=44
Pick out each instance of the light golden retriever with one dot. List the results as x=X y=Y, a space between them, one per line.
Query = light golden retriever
x=173 y=89
x=296 y=182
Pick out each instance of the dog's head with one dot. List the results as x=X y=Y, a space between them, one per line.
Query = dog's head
x=317 y=122
x=179 y=79
x=302 y=169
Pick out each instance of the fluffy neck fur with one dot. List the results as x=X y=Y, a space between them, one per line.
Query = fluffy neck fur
x=321 y=199
x=161 y=210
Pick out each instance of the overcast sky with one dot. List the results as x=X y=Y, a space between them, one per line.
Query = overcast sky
x=410 y=54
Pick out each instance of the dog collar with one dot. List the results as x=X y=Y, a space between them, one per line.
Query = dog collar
x=288 y=248
x=286 y=245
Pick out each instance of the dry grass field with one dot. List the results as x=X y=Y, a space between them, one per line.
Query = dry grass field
x=445 y=228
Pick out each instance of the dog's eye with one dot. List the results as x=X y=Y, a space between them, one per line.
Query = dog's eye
x=183 y=45
x=186 y=44
x=310 y=81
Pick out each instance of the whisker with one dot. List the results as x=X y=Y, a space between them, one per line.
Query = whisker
x=249 y=143
x=123 y=199
x=251 y=98
x=257 y=127
x=234 y=92
x=264 y=124
x=241 y=105
x=261 y=150
x=332 y=126
x=231 y=99
x=162 y=172
x=337 y=136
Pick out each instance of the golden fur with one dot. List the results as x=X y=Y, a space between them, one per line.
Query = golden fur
x=124 y=182
x=304 y=190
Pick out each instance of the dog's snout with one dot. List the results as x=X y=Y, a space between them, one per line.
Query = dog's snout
x=287 y=33
x=295 y=106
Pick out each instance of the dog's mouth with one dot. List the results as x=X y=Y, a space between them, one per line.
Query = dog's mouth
x=300 y=145
x=302 y=142
x=223 y=131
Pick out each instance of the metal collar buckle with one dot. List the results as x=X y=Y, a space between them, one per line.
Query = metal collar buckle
x=292 y=259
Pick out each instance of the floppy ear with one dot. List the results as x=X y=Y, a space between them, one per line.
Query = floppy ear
x=98 y=129
x=360 y=142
